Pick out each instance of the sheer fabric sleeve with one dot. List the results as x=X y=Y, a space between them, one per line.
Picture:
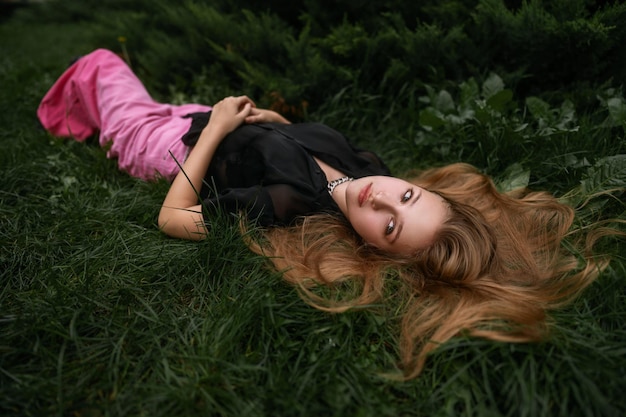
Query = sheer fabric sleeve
x=271 y=205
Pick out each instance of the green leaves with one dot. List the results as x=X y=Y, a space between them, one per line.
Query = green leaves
x=492 y=100
x=606 y=175
x=617 y=110
x=492 y=103
x=550 y=120
x=496 y=96
x=602 y=182
x=515 y=176
x=487 y=116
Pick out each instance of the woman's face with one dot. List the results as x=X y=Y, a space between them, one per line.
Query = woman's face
x=392 y=214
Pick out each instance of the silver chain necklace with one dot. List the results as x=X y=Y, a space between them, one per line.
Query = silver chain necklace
x=332 y=184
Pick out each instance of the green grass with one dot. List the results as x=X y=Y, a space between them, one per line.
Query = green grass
x=102 y=315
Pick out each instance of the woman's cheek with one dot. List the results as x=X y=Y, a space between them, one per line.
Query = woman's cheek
x=367 y=228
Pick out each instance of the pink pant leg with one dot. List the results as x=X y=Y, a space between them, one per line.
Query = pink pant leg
x=100 y=92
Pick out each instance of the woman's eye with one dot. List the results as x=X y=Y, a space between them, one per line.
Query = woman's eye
x=407 y=196
x=390 y=228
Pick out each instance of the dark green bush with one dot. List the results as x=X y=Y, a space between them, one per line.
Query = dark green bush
x=306 y=52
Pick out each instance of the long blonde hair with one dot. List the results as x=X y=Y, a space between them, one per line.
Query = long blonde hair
x=496 y=268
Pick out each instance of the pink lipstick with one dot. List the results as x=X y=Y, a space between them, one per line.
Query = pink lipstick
x=364 y=194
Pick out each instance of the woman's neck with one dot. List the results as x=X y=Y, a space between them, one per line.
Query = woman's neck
x=331 y=173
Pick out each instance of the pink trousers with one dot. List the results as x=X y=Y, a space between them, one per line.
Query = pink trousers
x=100 y=93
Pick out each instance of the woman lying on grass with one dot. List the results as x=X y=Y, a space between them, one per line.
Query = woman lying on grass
x=468 y=257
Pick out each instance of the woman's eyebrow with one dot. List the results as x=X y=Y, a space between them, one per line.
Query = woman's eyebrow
x=417 y=197
x=397 y=234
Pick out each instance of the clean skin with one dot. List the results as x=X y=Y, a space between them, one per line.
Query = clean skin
x=392 y=214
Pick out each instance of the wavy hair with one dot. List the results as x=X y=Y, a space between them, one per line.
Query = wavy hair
x=496 y=268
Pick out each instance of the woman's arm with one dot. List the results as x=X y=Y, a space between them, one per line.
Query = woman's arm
x=181 y=215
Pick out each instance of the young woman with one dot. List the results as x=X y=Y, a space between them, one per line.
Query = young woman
x=468 y=258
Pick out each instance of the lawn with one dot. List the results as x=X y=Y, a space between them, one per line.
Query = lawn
x=103 y=315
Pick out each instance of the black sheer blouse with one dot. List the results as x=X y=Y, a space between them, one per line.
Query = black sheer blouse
x=268 y=169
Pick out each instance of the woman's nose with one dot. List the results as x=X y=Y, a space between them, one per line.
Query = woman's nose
x=380 y=201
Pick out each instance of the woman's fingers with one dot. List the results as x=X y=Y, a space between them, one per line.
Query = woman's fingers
x=231 y=112
x=245 y=112
x=255 y=116
x=247 y=100
x=239 y=102
x=265 y=116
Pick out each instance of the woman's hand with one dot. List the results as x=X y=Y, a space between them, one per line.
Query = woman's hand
x=264 y=116
x=229 y=113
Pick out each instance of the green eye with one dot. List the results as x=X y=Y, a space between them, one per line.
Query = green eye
x=407 y=196
x=390 y=228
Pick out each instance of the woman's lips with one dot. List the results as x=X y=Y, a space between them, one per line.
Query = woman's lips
x=364 y=194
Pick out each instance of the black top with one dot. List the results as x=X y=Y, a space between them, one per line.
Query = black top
x=268 y=169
